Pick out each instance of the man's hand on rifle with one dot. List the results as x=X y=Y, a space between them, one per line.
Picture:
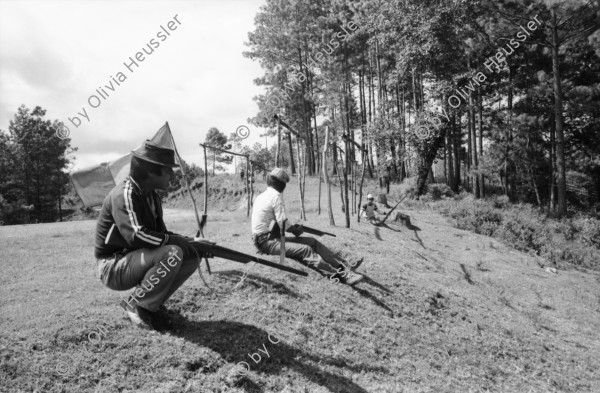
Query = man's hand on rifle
x=184 y=243
x=296 y=229
x=204 y=254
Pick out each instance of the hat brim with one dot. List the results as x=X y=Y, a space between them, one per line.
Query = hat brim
x=174 y=165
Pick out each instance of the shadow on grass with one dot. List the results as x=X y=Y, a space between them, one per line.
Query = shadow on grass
x=377 y=230
x=234 y=341
x=365 y=293
x=233 y=277
x=415 y=229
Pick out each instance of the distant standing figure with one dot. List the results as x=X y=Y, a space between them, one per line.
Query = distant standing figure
x=386 y=179
x=369 y=210
x=242 y=174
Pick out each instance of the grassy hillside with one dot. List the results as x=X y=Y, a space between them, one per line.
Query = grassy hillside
x=442 y=310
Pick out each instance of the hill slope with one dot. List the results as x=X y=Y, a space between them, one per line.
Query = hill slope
x=443 y=310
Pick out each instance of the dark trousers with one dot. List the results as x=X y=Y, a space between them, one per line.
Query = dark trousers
x=153 y=273
x=304 y=249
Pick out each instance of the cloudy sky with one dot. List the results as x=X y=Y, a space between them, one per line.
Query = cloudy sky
x=55 y=54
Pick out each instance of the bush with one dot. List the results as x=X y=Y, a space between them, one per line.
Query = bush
x=438 y=190
x=574 y=241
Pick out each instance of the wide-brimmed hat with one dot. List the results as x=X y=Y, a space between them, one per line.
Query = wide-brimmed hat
x=156 y=154
x=280 y=175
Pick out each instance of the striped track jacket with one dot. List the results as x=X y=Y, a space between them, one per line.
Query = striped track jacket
x=126 y=221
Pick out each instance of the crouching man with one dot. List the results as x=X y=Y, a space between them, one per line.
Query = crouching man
x=133 y=247
x=309 y=251
x=369 y=209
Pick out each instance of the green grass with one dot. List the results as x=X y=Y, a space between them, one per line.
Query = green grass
x=417 y=326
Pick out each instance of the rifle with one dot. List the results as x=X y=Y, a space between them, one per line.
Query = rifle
x=275 y=231
x=390 y=212
x=236 y=256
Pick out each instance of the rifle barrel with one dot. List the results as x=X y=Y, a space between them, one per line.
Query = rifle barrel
x=227 y=253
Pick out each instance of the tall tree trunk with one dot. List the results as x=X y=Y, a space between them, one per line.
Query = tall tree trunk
x=346 y=201
x=414 y=92
x=425 y=161
x=289 y=135
x=446 y=162
x=316 y=150
x=403 y=140
x=362 y=181
x=560 y=133
x=456 y=139
x=326 y=175
x=480 y=110
x=334 y=150
x=394 y=159
x=469 y=147
x=305 y=119
x=363 y=117
x=449 y=144
x=59 y=200
x=301 y=166
x=511 y=181
x=535 y=187
x=278 y=151
x=553 y=189
x=476 y=190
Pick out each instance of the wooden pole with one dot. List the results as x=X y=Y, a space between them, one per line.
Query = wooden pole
x=353 y=187
x=248 y=174
x=319 y=203
x=205 y=189
x=200 y=223
x=300 y=173
x=186 y=181
x=223 y=150
x=251 y=185
x=362 y=180
x=326 y=175
x=346 y=169
x=206 y=175
x=303 y=182
x=278 y=151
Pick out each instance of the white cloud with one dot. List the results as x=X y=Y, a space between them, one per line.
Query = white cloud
x=55 y=54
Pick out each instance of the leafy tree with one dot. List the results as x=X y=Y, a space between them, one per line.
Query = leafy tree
x=32 y=163
x=410 y=57
x=217 y=139
x=192 y=171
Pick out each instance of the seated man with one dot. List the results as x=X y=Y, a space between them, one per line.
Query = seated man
x=309 y=251
x=133 y=247
x=369 y=209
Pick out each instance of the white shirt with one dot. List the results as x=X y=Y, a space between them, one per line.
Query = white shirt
x=268 y=206
x=369 y=210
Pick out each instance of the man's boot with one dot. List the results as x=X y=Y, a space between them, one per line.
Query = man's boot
x=138 y=315
x=352 y=278
x=347 y=276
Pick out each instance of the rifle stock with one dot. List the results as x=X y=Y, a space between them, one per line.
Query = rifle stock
x=317 y=232
x=275 y=230
x=236 y=256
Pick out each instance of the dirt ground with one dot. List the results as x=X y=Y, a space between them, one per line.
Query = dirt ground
x=441 y=310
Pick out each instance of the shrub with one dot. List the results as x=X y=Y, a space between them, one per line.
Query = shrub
x=574 y=241
x=438 y=190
